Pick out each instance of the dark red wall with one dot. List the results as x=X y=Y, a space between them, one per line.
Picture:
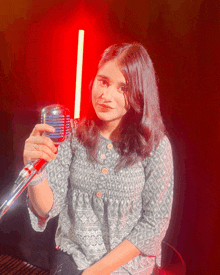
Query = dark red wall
x=38 y=53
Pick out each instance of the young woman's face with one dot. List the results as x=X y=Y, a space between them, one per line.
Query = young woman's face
x=108 y=93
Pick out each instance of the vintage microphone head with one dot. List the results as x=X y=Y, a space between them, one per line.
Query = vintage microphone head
x=57 y=116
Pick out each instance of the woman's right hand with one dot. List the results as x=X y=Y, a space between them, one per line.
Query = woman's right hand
x=38 y=146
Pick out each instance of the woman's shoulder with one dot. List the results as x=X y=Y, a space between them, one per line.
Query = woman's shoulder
x=161 y=150
x=162 y=146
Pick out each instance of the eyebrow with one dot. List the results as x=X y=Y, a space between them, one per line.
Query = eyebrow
x=107 y=78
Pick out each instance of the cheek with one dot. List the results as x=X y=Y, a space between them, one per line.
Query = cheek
x=121 y=101
x=93 y=97
x=95 y=91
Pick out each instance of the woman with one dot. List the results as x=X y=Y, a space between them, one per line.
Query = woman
x=111 y=182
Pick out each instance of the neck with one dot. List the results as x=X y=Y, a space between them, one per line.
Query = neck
x=110 y=131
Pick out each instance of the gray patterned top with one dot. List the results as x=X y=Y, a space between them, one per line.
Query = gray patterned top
x=100 y=208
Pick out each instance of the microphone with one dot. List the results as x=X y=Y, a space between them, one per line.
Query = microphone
x=57 y=116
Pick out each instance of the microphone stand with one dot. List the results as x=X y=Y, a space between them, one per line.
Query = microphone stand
x=24 y=178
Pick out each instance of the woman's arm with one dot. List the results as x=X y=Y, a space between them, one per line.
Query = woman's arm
x=119 y=256
x=40 y=147
x=41 y=197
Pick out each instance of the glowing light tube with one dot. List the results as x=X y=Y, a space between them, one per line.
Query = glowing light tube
x=79 y=74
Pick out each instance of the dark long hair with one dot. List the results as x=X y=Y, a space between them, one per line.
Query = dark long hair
x=142 y=127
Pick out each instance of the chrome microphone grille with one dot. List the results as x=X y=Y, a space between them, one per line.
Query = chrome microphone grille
x=59 y=117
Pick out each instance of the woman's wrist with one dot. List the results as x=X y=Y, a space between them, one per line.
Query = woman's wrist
x=97 y=269
x=101 y=267
x=38 y=178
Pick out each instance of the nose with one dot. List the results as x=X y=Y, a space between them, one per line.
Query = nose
x=107 y=93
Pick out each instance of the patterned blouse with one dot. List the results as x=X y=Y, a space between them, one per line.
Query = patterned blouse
x=99 y=208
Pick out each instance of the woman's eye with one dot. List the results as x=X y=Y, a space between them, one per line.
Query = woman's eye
x=123 y=89
x=103 y=82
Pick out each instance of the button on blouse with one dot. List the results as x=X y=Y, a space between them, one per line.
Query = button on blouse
x=99 y=194
x=104 y=170
x=109 y=146
x=103 y=156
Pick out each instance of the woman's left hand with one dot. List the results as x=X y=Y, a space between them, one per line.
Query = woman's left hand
x=89 y=272
x=92 y=271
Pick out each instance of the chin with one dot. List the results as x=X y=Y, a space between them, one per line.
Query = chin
x=109 y=119
x=105 y=118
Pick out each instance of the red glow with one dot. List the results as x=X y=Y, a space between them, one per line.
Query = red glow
x=52 y=52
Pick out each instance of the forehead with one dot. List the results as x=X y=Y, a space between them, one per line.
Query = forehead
x=112 y=71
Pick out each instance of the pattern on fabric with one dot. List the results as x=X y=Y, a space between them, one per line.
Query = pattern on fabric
x=100 y=208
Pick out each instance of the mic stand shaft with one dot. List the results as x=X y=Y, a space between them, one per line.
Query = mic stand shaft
x=19 y=186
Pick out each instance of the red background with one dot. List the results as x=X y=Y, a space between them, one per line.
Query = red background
x=38 y=47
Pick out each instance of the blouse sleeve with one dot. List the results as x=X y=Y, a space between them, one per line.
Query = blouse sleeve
x=157 y=198
x=57 y=173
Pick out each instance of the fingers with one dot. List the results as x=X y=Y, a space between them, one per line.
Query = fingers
x=38 y=146
x=40 y=150
x=34 y=155
x=40 y=128
x=41 y=140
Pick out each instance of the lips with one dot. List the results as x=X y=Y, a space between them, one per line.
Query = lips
x=105 y=106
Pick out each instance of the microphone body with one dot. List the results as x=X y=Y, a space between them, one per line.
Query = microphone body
x=57 y=116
